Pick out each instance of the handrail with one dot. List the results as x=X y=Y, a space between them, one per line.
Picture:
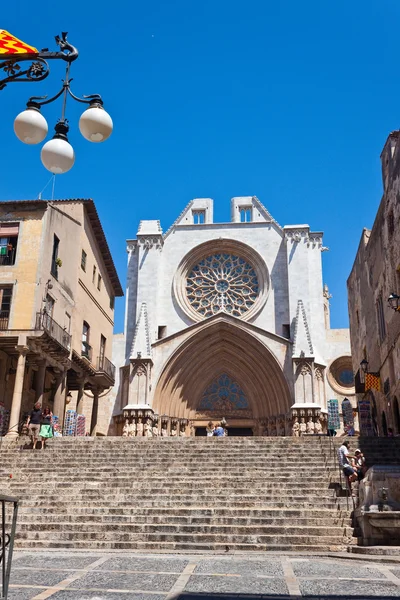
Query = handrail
x=7 y=541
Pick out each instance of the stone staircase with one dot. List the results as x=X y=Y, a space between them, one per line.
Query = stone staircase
x=178 y=494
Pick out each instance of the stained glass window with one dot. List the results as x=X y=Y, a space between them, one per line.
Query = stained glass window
x=222 y=283
x=223 y=395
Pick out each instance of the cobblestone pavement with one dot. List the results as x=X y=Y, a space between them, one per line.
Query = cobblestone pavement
x=117 y=576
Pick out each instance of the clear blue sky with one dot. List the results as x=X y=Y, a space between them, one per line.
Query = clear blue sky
x=289 y=101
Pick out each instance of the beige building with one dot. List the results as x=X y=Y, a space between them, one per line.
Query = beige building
x=374 y=325
x=57 y=288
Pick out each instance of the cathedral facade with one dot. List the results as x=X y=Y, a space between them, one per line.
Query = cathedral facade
x=227 y=321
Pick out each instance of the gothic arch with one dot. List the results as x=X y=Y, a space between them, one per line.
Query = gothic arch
x=222 y=344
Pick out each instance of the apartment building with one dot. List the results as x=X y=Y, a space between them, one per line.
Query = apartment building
x=58 y=283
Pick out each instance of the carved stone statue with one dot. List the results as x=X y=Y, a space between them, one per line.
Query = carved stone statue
x=132 y=429
x=155 y=429
x=303 y=426
x=139 y=428
x=272 y=428
x=174 y=432
x=182 y=430
x=310 y=426
x=280 y=426
x=164 y=430
x=148 y=429
x=296 y=427
x=318 y=426
x=125 y=431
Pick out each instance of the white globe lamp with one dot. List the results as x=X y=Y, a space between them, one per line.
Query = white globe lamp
x=95 y=123
x=58 y=155
x=30 y=126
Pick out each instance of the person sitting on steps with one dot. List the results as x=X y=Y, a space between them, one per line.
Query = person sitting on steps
x=344 y=462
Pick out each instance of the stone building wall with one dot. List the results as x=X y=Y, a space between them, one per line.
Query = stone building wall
x=374 y=326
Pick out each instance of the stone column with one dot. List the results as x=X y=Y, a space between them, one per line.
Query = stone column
x=79 y=400
x=40 y=381
x=95 y=411
x=59 y=397
x=17 y=394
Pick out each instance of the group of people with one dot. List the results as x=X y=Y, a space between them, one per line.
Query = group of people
x=40 y=425
x=216 y=430
x=352 y=465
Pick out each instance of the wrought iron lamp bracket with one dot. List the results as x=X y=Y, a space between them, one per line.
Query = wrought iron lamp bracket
x=39 y=68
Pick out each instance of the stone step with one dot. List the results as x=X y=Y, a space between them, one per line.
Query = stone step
x=260 y=480
x=178 y=494
x=128 y=486
x=240 y=495
x=188 y=512
x=221 y=548
x=109 y=536
x=99 y=529
x=36 y=520
x=167 y=503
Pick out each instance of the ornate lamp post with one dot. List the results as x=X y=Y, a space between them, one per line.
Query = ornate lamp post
x=30 y=126
x=394 y=302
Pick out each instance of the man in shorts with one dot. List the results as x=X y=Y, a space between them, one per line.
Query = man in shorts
x=344 y=462
x=34 y=421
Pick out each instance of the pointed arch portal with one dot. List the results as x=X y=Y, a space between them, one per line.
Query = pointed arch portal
x=222 y=352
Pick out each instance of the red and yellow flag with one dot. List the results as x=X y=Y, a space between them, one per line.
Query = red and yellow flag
x=10 y=46
x=372 y=381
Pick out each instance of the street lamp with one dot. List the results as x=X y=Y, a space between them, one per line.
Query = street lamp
x=364 y=365
x=31 y=127
x=394 y=301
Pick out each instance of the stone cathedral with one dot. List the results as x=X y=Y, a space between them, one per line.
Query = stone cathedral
x=227 y=321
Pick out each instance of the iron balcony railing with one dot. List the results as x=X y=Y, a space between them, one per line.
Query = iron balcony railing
x=105 y=365
x=44 y=322
x=86 y=350
x=4 y=318
x=8 y=258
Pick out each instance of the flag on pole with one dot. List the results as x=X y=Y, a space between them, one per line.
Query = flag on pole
x=372 y=381
x=11 y=46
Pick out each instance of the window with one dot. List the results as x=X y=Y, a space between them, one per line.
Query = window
x=99 y=282
x=381 y=318
x=8 y=242
x=245 y=214
x=162 y=332
x=67 y=322
x=86 y=349
x=54 y=257
x=199 y=217
x=103 y=342
x=112 y=302
x=5 y=305
x=94 y=274
x=286 y=331
x=83 y=260
x=49 y=305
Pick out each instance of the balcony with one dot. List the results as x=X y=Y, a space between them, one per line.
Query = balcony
x=8 y=259
x=44 y=322
x=4 y=317
x=105 y=365
x=86 y=351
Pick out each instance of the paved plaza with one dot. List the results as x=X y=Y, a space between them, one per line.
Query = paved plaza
x=121 y=576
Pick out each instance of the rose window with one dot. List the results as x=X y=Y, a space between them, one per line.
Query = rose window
x=222 y=283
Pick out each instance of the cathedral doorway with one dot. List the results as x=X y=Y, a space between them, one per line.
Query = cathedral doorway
x=223 y=371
